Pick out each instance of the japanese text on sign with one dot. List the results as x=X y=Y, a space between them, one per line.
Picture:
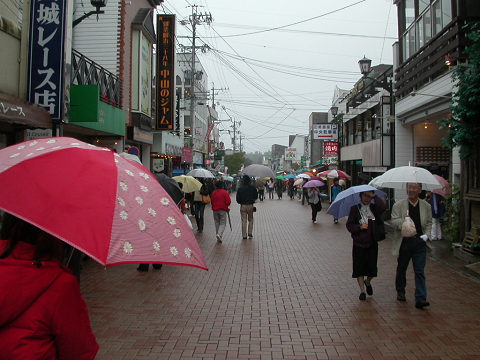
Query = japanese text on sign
x=330 y=148
x=46 y=58
x=165 y=72
x=325 y=131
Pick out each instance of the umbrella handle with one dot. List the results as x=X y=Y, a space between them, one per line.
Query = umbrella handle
x=70 y=256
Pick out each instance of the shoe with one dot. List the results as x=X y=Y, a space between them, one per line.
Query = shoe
x=219 y=238
x=363 y=296
x=369 y=288
x=314 y=221
x=244 y=238
x=420 y=304
x=199 y=231
x=250 y=236
x=401 y=297
x=157 y=266
x=335 y=221
x=142 y=269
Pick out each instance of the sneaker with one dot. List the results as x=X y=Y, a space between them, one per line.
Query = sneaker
x=420 y=304
x=335 y=221
x=314 y=221
x=363 y=296
x=250 y=236
x=369 y=288
x=401 y=297
x=219 y=238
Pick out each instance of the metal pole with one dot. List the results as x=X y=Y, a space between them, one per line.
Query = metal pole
x=193 y=21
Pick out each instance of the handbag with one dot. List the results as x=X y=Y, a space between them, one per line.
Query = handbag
x=206 y=199
x=378 y=232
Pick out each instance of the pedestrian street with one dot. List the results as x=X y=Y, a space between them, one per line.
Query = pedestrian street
x=285 y=294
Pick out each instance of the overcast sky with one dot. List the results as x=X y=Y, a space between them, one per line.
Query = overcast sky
x=276 y=78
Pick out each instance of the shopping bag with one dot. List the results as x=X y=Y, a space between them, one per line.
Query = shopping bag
x=408 y=227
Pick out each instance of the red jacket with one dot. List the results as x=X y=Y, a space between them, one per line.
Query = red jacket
x=42 y=313
x=220 y=199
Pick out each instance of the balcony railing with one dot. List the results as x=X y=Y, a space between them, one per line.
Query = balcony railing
x=87 y=72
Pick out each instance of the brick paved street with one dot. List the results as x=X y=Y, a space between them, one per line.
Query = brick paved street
x=286 y=294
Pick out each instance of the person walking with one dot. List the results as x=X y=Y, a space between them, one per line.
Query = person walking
x=246 y=196
x=334 y=191
x=304 y=192
x=220 y=202
x=279 y=188
x=361 y=224
x=413 y=247
x=43 y=314
x=270 y=188
x=314 y=201
x=261 y=189
x=437 y=202
x=199 y=205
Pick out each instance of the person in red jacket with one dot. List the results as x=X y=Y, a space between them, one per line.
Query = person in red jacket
x=42 y=313
x=220 y=200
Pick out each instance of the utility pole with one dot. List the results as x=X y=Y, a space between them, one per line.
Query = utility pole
x=194 y=20
x=213 y=93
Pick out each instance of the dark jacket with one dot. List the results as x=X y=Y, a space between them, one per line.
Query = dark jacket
x=363 y=238
x=247 y=194
x=42 y=313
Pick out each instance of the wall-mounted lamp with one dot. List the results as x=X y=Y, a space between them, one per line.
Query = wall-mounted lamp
x=97 y=4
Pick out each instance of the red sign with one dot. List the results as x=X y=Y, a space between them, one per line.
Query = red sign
x=187 y=155
x=330 y=148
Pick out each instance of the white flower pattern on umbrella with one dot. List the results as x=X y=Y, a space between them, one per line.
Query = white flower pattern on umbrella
x=139 y=200
x=141 y=225
x=121 y=201
x=152 y=212
x=33 y=143
x=177 y=233
x=165 y=201
x=156 y=246
x=188 y=252
x=40 y=148
x=174 y=251
x=14 y=155
x=123 y=186
x=144 y=188
x=171 y=220
x=29 y=154
x=56 y=147
x=52 y=141
x=124 y=215
x=129 y=172
x=21 y=147
x=127 y=247
x=145 y=176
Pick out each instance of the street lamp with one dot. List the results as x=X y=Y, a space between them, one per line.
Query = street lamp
x=97 y=4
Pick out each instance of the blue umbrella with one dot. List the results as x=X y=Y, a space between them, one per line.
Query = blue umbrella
x=290 y=176
x=348 y=198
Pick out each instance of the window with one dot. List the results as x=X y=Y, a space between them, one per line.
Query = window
x=422 y=5
x=427 y=26
x=411 y=40
x=437 y=18
x=419 y=34
x=446 y=12
x=409 y=12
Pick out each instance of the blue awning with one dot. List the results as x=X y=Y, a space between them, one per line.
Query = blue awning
x=177 y=172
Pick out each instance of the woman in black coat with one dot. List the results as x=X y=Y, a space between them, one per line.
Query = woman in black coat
x=361 y=224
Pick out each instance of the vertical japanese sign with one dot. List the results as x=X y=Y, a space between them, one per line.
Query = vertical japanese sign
x=46 y=56
x=330 y=148
x=165 y=72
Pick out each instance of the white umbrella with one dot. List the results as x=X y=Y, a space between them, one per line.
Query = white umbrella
x=258 y=170
x=201 y=173
x=304 y=176
x=397 y=178
x=131 y=157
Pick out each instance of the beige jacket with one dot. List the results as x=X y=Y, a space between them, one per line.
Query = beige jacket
x=399 y=211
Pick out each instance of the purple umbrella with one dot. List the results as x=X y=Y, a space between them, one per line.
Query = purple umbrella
x=313 y=183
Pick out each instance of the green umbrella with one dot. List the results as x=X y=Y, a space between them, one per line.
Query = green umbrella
x=280 y=177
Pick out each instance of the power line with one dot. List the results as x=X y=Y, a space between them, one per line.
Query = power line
x=295 y=23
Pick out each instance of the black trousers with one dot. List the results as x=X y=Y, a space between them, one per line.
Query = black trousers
x=315 y=209
x=199 y=210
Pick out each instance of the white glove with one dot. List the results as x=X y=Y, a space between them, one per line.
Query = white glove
x=424 y=237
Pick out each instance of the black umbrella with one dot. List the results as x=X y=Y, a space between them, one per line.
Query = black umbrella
x=171 y=187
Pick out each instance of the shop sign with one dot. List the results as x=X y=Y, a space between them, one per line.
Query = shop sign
x=46 y=56
x=325 y=132
x=187 y=155
x=142 y=136
x=158 y=165
x=197 y=158
x=330 y=148
x=165 y=76
x=37 y=134
x=173 y=150
x=290 y=153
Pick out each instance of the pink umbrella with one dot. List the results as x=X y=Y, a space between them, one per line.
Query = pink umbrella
x=445 y=190
x=298 y=182
x=110 y=208
x=313 y=183
x=332 y=174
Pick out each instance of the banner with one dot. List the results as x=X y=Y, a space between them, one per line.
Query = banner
x=290 y=153
x=165 y=77
x=46 y=56
x=325 y=132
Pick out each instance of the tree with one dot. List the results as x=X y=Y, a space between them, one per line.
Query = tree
x=464 y=125
x=234 y=162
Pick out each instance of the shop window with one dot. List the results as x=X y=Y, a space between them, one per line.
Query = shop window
x=437 y=17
